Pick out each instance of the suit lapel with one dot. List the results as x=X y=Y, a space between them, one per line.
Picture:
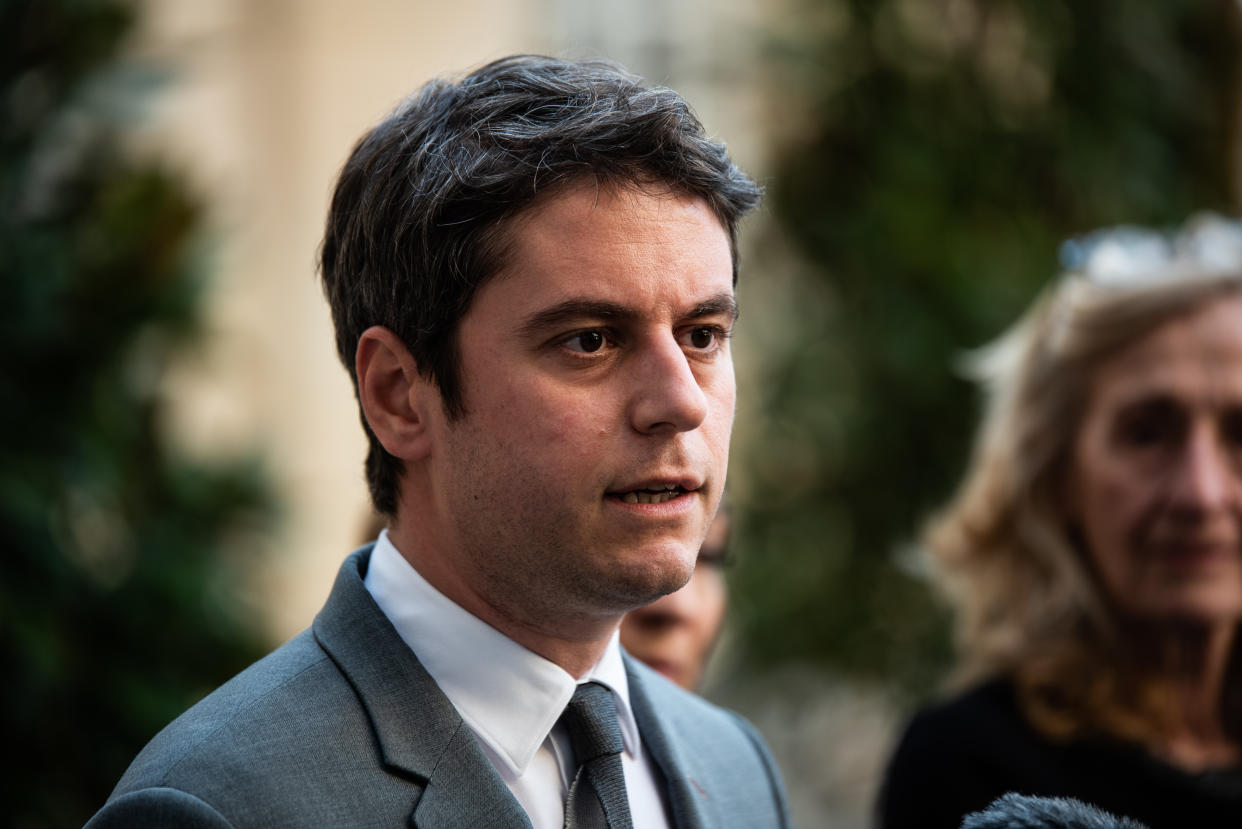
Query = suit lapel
x=420 y=734
x=689 y=803
x=466 y=791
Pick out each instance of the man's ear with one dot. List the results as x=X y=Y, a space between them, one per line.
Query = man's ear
x=396 y=399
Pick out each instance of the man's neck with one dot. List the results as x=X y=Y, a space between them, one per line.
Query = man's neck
x=575 y=641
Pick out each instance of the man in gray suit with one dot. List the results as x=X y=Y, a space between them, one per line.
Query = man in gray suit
x=531 y=272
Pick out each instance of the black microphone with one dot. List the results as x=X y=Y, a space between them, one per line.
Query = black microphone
x=1017 y=811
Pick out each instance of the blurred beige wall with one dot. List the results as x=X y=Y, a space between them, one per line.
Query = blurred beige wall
x=267 y=99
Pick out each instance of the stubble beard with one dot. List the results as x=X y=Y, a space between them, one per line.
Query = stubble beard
x=534 y=554
x=565 y=592
x=548 y=575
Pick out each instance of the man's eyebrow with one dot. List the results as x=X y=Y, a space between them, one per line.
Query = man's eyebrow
x=719 y=304
x=575 y=310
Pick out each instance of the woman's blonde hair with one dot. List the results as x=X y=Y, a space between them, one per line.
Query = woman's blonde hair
x=1027 y=604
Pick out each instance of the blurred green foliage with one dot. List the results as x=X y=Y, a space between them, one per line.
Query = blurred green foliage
x=937 y=152
x=114 y=584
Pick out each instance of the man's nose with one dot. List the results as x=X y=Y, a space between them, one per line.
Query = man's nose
x=1205 y=475
x=668 y=395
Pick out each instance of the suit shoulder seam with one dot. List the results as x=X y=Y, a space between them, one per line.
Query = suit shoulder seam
x=230 y=719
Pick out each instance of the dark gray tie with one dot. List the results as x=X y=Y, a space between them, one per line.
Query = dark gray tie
x=597 y=795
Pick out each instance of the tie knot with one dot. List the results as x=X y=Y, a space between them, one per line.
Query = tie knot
x=591 y=722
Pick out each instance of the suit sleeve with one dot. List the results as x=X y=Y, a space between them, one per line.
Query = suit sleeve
x=158 y=807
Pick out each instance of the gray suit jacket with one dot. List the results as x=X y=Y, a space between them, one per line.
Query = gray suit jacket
x=342 y=726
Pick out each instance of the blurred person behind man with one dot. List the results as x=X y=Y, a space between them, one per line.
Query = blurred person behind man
x=531 y=272
x=1094 y=550
x=676 y=633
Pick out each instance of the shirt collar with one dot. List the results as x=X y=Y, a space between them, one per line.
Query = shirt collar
x=509 y=696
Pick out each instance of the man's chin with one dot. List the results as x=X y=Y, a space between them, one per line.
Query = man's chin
x=625 y=588
x=659 y=582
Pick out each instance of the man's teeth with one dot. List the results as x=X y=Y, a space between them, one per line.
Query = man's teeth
x=645 y=496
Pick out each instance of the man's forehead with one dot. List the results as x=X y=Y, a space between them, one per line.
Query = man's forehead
x=581 y=204
x=587 y=244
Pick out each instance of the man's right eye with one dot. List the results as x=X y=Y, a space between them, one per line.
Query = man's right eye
x=587 y=342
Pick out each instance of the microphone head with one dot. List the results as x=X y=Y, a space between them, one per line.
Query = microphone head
x=1016 y=811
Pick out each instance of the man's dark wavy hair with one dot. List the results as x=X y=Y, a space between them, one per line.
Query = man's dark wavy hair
x=419 y=217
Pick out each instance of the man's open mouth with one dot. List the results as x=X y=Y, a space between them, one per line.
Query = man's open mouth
x=652 y=496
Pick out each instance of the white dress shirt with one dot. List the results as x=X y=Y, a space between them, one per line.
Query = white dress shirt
x=509 y=696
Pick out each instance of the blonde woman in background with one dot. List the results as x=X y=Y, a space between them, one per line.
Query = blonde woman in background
x=1094 y=551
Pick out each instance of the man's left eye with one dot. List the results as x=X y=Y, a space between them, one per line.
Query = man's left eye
x=588 y=342
x=703 y=337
